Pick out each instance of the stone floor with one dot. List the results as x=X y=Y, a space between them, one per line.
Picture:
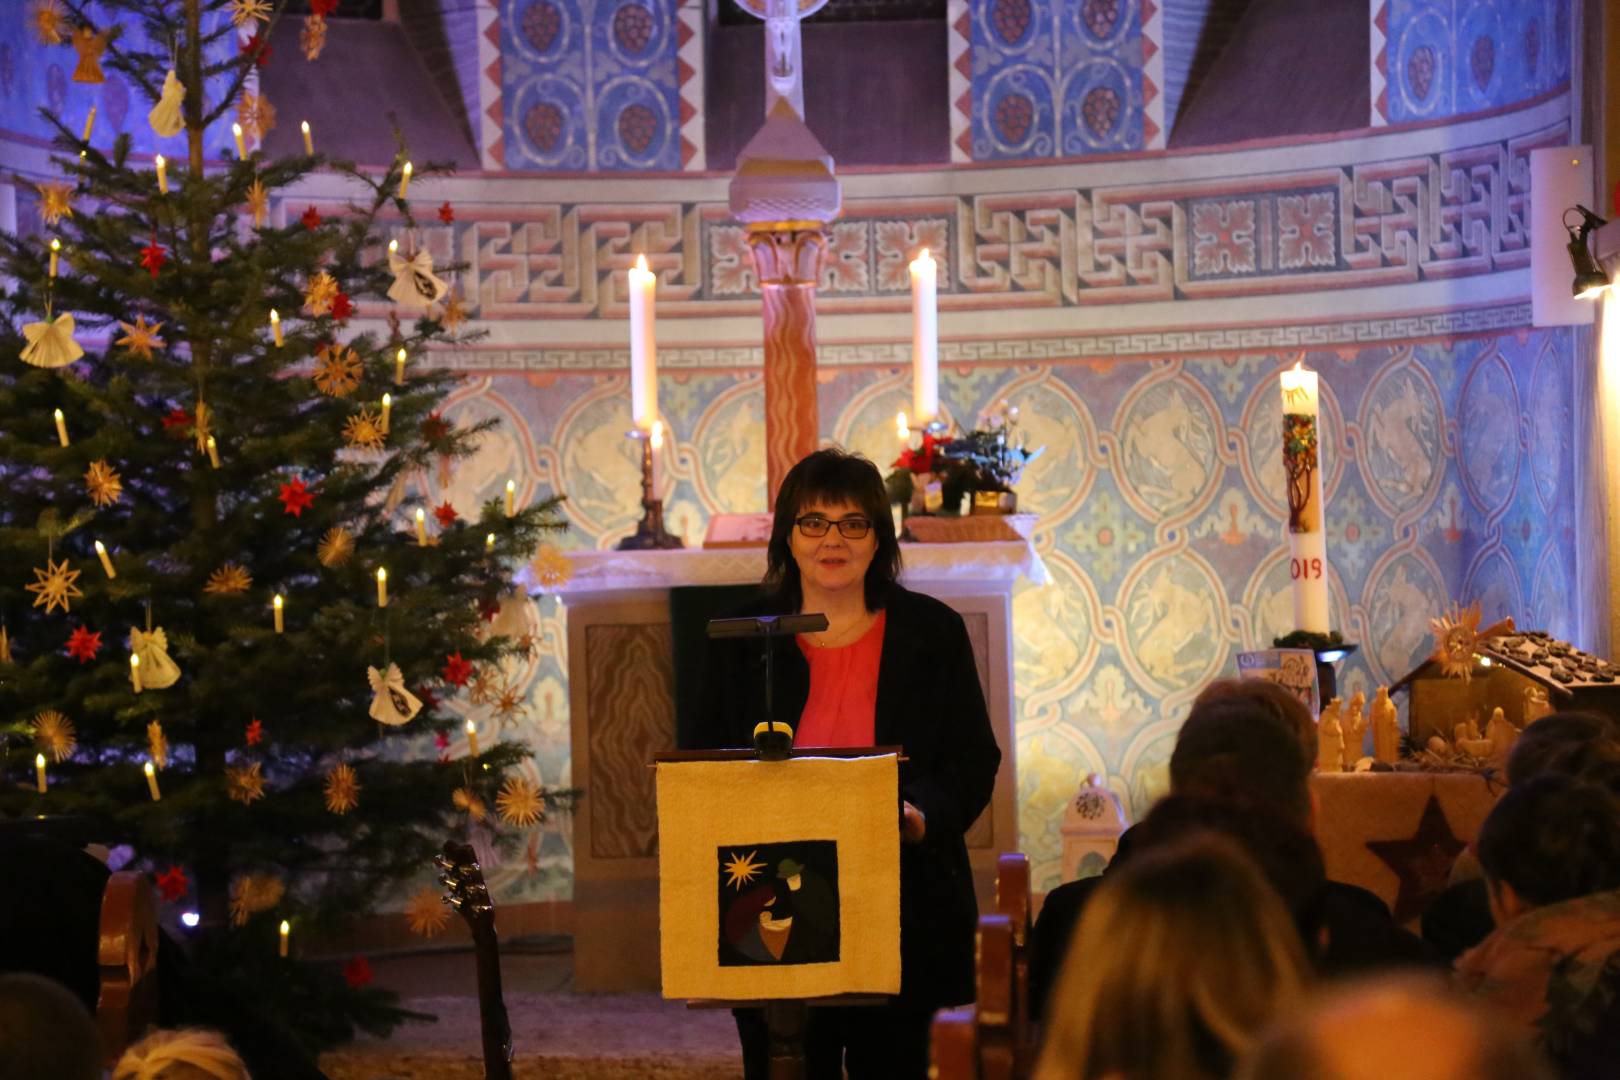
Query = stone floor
x=556 y=1033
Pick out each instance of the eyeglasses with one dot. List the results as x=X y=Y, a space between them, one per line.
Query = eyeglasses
x=851 y=528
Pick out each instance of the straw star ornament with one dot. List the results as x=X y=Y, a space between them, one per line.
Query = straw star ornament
x=244 y=783
x=103 y=483
x=342 y=789
x=228 y=580
x=427 y=913
x=519 y=802
x=54 y=734
x=55 y=202
x=53 y=586
x=141 y=337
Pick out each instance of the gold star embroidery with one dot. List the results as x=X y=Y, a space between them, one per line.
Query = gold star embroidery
x=54 y=733
x=157 y=744
x=244 y=783
x=253 y=893
x=141 y=337
x=363 y=430
x=104 y=483
x=322 y=291
x=742 y=869
x=337 y=370
x=53 y=586
x=256 y=115
x=55 y=202
x=519 y=802
x=243 y=10
x=258 y=201
x=49 y=22
x=427 y=913
x=336 y=547
x=342 y=789
x=228 y=580
x=465 y=800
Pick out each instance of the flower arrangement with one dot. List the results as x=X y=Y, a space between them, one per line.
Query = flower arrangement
x=990 y=458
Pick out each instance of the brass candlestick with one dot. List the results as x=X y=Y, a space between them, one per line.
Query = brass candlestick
x=650 y=534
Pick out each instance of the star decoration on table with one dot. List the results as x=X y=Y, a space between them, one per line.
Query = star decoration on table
x=157 y=745
x=456 y=670
x=342 y=307
x=83 y=644
x=256 y=115
x=357 y=973
x=1422 y=861
x=312 y=37
x=318 y=297
x=445 y=515
x=1457 y=638
x=342 y=789
x=54 y=734
x=427 y=913
x=244 y=783
x=253 y=893
x=455 y=313
x=255 y=732
x=447 y=213
x=258 y=201
x=153 y=257
x=55 y=202
x=229 y=580
x=49 y=22
x=141 y=337
x=363 y=430
x=295 y=497
x=337 y=370
x=172 y=884
x=258 y=48
x=103 y=483
x=244 y=10
x=54 y=586
x=520 y=803
x=311 y=218
x=336 y=547
x=468 y=801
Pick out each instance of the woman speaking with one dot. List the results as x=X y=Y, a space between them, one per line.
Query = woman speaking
x=893 y=667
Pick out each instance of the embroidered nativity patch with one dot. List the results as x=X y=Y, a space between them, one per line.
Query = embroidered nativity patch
x=778 y=903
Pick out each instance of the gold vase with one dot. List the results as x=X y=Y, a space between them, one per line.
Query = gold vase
x=995 y=502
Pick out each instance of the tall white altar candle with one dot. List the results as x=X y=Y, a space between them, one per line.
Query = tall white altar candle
x=643 y=346
x=1307 y=541
x=924 y=340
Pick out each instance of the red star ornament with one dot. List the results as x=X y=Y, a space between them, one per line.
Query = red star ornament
x=255 y=732
x=83 y=644
x=296 y=498
x=446 y=515
x=434 y=428
x=489 y=607
x=441 y=740
x=311 y=218
x=256 y=43
x=1422 y=861
x=176 y=421
x=357 y=973
x=322 y=8
x=447 y=214
x=172 y=884
x=153 y=257
x=342 y=307
x=456 y=670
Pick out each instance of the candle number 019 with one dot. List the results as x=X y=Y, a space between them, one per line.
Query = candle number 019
x=1309 y=569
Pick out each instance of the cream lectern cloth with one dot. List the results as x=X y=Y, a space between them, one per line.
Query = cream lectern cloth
x=710 y=812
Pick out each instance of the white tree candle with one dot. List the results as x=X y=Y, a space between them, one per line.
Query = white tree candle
x=1307 y=541
x=643 y=346
x=924 y=340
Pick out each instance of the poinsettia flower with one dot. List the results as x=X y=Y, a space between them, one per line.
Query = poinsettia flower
x=921 y=460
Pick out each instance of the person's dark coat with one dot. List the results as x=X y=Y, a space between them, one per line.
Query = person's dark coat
x=931 y=704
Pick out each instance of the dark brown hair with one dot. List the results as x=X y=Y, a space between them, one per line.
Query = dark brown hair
x=831 y=476
x=1245 y=739
x=1553 y=838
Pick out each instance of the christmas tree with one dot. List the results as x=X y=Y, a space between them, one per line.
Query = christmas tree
x=229 y=626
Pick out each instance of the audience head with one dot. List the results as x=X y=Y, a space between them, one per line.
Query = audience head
x=1549 y=839
x=186 y=1054
x=45 y=1031
x=1401 y=1026
x=1247 y=740
x=832 y=476
x=1179 y=961
x=1563 y=742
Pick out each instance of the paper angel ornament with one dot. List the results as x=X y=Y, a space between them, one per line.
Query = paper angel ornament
x=157 y=670
x=165 y=116
x=50 y=343
x=393 y=704
x=414 y=285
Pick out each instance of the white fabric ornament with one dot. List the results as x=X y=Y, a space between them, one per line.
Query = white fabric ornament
x=50 y=343
x=414 y=284
x=165 y=116
x=157 y=670
x=393 y=704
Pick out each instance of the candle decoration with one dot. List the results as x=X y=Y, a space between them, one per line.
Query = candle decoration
x=472 y=738
x=901 y=428
x=1306 y=537
x=643 y=346
x=39 y=771
x=285 y=935
x=382 y=587
x=405 y=180
x=387 y=408
x=241 y=147
x=650 y=533
x=275 y=326
x=421 y=527
x=309 y=143
x=162 y=173
x=276 y=605
x=511 y=497
x=151 y=781
x=61 y=428
x=924 y=340
x=135 y=671
x=489 y=542
x=399 y=367
x=89 y=124
x=106 y=560
x=56 y=254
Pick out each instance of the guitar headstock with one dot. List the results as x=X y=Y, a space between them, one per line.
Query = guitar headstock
x=464 y=887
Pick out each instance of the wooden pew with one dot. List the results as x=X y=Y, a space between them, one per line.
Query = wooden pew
x=992 y=1039
x=953 y=1052
x=1013 y=901
x=997 y=1005
x=127 y=952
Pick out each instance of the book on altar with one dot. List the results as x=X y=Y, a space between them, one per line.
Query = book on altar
x=1292 y=669
x=738 y=530
x=779 y=879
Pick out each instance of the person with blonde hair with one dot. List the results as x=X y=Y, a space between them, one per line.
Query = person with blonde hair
x=1179 y=962
x=185 y=1054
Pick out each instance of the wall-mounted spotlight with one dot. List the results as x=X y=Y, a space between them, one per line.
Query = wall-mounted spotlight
x=1590 y=280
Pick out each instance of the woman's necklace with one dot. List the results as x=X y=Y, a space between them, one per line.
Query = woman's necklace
x=850 y=632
